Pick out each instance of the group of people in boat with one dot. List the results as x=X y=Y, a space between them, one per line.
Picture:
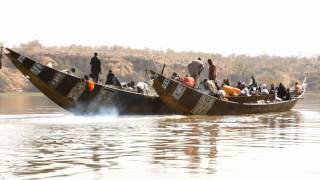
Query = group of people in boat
x=141 y=87
x=112 y=79
x=195 y=69
x=210 y=86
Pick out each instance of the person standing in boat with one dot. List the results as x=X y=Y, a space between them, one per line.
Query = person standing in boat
x=95 y=67
x=195 y=68
x=212 y=70
x=253 y=83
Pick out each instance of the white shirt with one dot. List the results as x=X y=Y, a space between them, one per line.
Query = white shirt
x=264 y=91
x=245 y=91
x=143 y=86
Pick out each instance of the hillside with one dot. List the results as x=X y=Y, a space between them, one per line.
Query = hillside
x=129 y=64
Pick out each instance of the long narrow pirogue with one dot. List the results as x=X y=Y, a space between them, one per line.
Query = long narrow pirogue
x=190 y=101
x=72 y=93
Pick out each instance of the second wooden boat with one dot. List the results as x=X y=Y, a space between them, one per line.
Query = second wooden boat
x=190 y=101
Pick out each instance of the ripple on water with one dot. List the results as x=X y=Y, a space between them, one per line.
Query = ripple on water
x=53 y=145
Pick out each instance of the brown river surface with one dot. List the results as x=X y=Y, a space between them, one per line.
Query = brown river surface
x=39 y=140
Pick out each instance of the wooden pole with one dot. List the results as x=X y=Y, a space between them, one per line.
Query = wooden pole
x=163 y=70
x=1 y=48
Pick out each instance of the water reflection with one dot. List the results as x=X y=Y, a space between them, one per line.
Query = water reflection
x=282 y=120
x=27 y=104
x=55 y=149
x=45 y=146
x=188 y=142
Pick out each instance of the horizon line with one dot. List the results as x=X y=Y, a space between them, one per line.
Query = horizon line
x=163 y=49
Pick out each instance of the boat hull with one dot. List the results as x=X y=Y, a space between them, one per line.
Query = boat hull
x=190 y=101
x=72 y=93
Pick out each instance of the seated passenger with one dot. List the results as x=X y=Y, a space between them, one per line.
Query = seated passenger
x=281 y=91
x=175 y=76
x=298 y=89
x=142 y=87
x=259 y=90
x=209 y=87
x=70 y=71
x=188 y=81
x=221 y=93
x=288 y=96
x=217 y=86
x=264 y=90
x=253 y=91
x=130 y=85
x=244 y=90
x=112 y=79
x=239 y=85
x=272 y=89
x=226 y=82
x=203 y=89
x=90 y=83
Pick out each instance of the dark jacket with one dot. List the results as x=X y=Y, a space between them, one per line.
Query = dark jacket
x=112 y=80
x=253 y=83
x=281 y=91
x=95 y=65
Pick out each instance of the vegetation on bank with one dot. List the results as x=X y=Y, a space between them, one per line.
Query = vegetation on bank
x=129 y=64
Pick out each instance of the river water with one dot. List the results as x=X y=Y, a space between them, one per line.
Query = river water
x=39 y=140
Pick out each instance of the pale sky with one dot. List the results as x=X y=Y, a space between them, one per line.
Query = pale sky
x=253 y=27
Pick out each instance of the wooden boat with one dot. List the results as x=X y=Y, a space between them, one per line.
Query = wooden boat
x=72 y=93
x=190 y=101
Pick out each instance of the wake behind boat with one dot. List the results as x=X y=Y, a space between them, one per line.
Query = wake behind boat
x=190 y=101
x=73 y=93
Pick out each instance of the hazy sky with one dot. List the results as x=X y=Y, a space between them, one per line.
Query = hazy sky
x=217 y=26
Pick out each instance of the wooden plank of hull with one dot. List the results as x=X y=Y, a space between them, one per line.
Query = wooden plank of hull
x=190 y=101
x=72 y=93
x=250 y=99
